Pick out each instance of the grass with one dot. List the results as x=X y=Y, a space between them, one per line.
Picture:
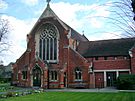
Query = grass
x=75 y=96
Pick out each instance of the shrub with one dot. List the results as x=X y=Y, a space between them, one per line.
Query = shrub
x=2 y=96
x=126 y=82
x=5 y=80
x=9 y=94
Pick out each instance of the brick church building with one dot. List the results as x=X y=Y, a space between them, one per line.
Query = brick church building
x=57 y=56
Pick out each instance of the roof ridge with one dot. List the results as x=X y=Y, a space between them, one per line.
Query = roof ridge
x=113 y=39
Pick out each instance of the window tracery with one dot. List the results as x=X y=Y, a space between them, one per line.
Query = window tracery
x=48 y=48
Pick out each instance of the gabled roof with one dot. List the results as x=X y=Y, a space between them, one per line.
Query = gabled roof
x=48 y=13
x=77 y=36
x=113 y=47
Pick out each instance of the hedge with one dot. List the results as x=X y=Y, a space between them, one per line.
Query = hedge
x=126 y=82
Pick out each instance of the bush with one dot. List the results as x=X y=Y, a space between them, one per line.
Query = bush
x=9 y=94
x=126 y=82
x=5 y=80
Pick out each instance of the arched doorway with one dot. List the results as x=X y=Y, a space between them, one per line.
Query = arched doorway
x=36 y=76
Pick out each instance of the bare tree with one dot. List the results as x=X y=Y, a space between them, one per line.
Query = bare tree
x=121 y=17
x=124 y=17
x=133 y=6
x=4 y=31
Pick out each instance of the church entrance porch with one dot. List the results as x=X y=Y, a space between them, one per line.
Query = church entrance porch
x=37 y=76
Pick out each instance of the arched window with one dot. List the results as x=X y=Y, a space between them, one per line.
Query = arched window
x=78 y=74
x=48 y=48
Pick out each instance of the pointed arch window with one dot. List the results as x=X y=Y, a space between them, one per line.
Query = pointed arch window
x=78 y=74
x=48 y=48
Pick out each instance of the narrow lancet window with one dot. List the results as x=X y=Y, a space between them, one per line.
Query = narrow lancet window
x=78 y=74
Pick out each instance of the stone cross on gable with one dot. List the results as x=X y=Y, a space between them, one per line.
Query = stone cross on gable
x=48 y=1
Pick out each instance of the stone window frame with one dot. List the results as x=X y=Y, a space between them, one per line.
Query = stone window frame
x=49 y=43
x=78 y=74
x=53 y=76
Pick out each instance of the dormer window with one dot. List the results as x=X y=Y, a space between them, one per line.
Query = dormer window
x=48 y=43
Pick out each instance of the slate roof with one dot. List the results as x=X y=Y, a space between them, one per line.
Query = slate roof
x=113 y=47
x=75 y=34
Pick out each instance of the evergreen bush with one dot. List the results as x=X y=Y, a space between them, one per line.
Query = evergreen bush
x=126 y=82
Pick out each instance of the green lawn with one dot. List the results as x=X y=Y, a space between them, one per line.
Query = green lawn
x=75 y=96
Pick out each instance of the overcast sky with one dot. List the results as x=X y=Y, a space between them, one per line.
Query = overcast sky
x=88 y=17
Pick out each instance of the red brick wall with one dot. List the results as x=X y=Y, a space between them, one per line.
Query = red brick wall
x=133 y=66
x=111 y=64
x=75 y=60
x=133 y=62
x=15 y=73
